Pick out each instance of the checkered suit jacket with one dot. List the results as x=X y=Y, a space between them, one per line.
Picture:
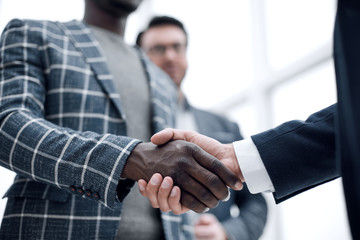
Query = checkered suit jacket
x=63 y=132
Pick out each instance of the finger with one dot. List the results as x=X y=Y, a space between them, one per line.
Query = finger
x=142 y=184
x=174 y=202
x=190 y=202
x=206 y=219
x=169 y=134
x=222 y=174
x=152 y=189
x=164 y=194
x=206 y=177
x=162 y=137
x=200 y=191
x=203 y=232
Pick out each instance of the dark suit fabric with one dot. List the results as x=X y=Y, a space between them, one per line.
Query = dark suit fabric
x=301 y=155
x=253 y=209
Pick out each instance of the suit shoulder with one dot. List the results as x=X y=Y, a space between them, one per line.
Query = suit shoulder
x=42 y=25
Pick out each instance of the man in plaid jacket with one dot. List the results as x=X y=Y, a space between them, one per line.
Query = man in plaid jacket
x=75 y=105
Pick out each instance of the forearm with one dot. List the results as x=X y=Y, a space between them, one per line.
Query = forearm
x=300 y=155
x=44 y=152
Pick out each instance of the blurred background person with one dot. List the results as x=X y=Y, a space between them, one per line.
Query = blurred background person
x=165 y=41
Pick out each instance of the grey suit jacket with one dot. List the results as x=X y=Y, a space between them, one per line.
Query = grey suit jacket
x=63 y=132
x=250 y=223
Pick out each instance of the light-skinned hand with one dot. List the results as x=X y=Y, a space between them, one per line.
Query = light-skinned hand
x=208 y=227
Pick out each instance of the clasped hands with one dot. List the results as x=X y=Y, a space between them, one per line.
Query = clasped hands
x=190 y=175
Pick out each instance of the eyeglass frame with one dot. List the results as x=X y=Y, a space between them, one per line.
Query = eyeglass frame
x=160 y=50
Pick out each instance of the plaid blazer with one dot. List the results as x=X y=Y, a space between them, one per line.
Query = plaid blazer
x=63 y=132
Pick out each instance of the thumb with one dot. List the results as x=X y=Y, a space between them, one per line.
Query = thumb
x=205 y=219
x=163 y=136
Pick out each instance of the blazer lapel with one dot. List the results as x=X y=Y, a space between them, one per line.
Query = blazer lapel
x=84 y=41
x=163 y=95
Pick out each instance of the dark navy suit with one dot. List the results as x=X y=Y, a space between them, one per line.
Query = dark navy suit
x=301 y=155
x=253 y=209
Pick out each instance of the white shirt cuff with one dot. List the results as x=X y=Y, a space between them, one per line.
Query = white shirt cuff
x=256 y=177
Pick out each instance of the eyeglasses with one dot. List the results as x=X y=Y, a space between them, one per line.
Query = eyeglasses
x=160 y=50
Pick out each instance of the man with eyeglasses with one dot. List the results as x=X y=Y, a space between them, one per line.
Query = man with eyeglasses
x=165 y=42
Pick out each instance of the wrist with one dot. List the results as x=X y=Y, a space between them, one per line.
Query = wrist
x=134 y=163
x=233 y=161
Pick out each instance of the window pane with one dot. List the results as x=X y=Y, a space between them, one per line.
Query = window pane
x=305 y=94
x=297 y=27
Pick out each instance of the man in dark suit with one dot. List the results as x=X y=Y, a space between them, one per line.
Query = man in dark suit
x=76 y=102
x=165 y=42
x=297 y=156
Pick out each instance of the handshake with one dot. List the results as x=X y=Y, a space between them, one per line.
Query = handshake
x=180 y=170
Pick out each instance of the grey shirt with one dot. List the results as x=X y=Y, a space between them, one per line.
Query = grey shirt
x=138 y=219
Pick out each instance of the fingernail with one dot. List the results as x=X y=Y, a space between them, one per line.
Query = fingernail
x=141 y=188
x=228 y=197
x=165 y=184
x=155 y=181
x=238 y=185
x=173 y=192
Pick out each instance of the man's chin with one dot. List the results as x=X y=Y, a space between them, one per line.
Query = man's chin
x=125 y=6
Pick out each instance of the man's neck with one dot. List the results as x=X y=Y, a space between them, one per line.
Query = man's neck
x=181 y=96
x=99 y=18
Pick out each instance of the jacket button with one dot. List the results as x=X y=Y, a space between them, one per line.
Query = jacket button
x=72 y=188
x=88 y=193
x=96 y=195
x=80 y=191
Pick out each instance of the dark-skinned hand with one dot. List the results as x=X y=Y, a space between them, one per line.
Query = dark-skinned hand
x=202 y=178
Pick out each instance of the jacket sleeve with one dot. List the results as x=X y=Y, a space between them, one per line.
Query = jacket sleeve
x=300 y=155
x=34 y=147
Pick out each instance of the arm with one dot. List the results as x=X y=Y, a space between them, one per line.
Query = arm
x=33 y=146
x=297 y=155
x=36 y=148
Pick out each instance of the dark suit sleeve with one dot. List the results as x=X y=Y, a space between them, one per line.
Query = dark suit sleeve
x=300 y=155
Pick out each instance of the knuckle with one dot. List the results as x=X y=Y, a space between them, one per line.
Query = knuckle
x=215 y=164
x=165 y=209
x=208 y=199
x=154 y=205
x=176 y=212
x=191 y=203
x=214 y=181
x=218 y=186
x=183 y=163
x=190 y=148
